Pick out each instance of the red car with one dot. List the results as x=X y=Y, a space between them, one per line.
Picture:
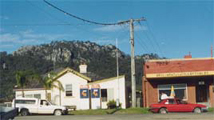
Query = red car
x=176 y=105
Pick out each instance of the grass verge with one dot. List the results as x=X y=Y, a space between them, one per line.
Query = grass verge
x=211 y=109
x=92 y=112
x=133 y=111
x=110 y=111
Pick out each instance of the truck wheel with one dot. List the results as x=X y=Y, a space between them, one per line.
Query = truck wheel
x=163 y=111
x=24 y=112
x=197 y=110
x=57 y=112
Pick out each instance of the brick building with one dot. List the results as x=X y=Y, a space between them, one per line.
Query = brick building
x=192 y=79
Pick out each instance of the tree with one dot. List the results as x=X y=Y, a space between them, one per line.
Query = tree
x=48 y=83
x=21 y=79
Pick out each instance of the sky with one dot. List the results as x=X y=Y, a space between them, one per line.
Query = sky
x=172 y=29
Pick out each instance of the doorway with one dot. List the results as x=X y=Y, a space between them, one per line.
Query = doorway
x=202 y=93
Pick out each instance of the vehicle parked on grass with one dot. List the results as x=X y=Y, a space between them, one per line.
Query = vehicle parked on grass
x=28 y=106
x=176 y=105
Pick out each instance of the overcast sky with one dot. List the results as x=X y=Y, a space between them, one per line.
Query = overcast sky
x=172 y=28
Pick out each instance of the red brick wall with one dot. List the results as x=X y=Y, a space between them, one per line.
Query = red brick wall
x=211 y=93
x=150 y=91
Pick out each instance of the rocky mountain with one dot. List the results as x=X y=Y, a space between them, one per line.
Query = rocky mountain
x=101 y=60
x=65 y=51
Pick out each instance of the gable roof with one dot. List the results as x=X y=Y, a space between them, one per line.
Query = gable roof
x=66 y=70
x=93 y=76
x=105 y=80
x=195 y=66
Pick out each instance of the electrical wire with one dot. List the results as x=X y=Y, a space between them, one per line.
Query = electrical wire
x=151 y=41
x=142 y=43
x=40 y=24
x=141 y=47
x=82 y=19
x=149 y=28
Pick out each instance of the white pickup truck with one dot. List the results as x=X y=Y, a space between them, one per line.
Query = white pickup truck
x=28 y=106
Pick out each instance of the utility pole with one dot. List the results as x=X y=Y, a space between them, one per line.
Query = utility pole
x=131 y=22
x=118 y=86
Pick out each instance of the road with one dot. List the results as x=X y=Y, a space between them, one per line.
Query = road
x=170 y=116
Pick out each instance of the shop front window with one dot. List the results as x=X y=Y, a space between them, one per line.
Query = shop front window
x=180 y=90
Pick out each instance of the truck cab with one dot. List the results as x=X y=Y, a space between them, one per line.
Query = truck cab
x=37 y=106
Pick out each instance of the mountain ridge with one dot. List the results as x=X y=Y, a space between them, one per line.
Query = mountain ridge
x=101 y=60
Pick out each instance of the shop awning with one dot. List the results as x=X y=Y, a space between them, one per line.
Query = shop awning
x=179 y=68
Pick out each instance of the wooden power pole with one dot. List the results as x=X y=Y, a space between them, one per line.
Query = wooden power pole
x=131 y=22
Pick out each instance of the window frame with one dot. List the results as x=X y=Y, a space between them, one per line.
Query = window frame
x=185 y=88
x=69 y=90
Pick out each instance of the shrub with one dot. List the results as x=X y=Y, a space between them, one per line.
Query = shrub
x=112 y=104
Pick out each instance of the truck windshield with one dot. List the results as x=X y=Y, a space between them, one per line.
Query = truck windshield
x=51 y=103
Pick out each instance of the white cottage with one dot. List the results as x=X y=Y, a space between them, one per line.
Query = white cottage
x=81 y=92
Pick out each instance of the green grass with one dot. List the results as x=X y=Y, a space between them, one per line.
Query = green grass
x=211 y=109
x=110 y=111
x=133 y=111
x=92 y=112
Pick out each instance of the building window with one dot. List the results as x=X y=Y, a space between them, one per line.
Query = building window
x=180 y=90
x=104 y=95
x=68 y=90
x=29 y=95
x=37 y=96
x=18 y=95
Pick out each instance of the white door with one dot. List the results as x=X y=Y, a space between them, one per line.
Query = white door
x=45 y=107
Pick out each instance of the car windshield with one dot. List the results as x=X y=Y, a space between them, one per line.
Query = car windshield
x=178 y=101
x=181 y=102
x=160 y=101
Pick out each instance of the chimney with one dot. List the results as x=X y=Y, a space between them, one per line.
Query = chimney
x=83 y=68
x=188 y=56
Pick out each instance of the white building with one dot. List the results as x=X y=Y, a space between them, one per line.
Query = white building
x=80 y=91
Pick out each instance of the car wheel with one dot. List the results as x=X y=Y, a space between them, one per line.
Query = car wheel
x=163 y=111
x=197 y=110
x=57 y=112
x=24 y=112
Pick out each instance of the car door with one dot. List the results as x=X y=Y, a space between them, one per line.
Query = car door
x=182 y=107
x=170 y=104
x=45 y=107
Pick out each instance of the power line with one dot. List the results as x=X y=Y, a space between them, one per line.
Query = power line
x=142 y=43
x=40 y=24
x=143 y=49
x=149 y=28
x=82 y=19
x=44 y=11
x=151 y=41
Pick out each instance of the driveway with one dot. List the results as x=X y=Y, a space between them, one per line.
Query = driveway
x=170 y=116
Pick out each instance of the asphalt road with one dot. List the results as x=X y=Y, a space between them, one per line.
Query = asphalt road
x=170 y=116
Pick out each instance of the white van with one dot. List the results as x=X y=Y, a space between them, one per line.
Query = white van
x=37 y=106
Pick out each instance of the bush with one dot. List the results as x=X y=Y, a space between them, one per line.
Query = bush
x=211 y=109
x=112 y=104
